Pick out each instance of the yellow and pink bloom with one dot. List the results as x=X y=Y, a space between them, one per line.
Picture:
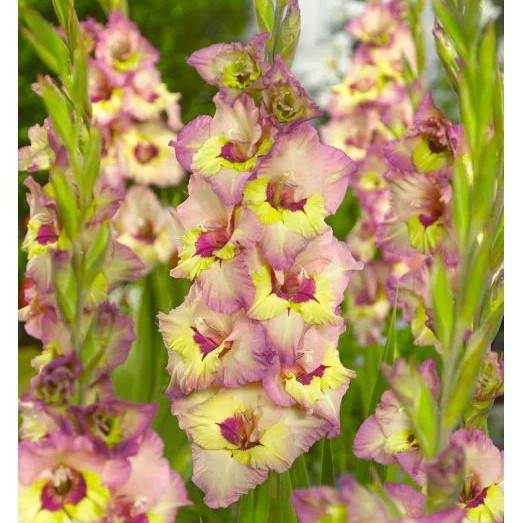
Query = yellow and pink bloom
x=239 y=436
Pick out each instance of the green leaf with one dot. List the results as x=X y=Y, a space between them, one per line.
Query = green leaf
x=133 y=380
x=389 y=355
x=264 y=15
x=67 y=204
x=425 y=421
x=327 y=465
x=299 y=473
x=408 y=74
x=416 y=26
x=45 y=40
x=95 y=256
x=492 y=312
x=105 y=5
x=498 y=247
x=72 y=28
x=468 y=114
x=392 y=508
x=499 y=112
x=471 y=20
x=246 y=510
x=61 y=8
x=442 y=303
x=486 y=183
x=262 y=498
x=285 y=509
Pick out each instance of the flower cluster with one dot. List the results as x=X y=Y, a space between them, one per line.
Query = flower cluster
x=137 y=117
x=405 y=152
x=469 y=469
x=353 y=503
x=471 y=462
x=255 y=375
x=85 y=455
x=134 y=110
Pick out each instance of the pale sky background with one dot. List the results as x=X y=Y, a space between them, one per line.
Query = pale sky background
x=323 y=55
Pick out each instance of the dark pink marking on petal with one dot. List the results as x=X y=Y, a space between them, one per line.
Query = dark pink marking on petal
x=232 y=151
x=281 y=196
x=50 y=499
x=427 y=221
x=211 y=241
x=305 y=379
x=69 y=487
x=146 y=232
x=144 y=152
x=46 y=234
x=478 y=500
x=206 y=344
x=238 y=430
x=295 y=288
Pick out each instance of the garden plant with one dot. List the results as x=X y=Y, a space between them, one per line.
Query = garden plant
x=239 y=305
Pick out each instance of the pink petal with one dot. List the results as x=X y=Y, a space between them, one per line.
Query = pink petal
x=221 y=477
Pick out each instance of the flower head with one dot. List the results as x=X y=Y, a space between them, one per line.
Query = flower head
x=61 y=478
x=121 y=46
x=143 y=225
x=231 y=67
x=239 y=436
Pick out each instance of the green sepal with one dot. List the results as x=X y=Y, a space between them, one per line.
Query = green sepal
x=461 y=202
x=58 y=109
x=66 y=290
x=419 y=405
x=442 y=303
x=289 y=33
x=447 y=54
x=46 y=41
x=264 y=10
x=91 y=163
x=469 y=367
x=95 y=256
x=474 y=287
x=67 y=204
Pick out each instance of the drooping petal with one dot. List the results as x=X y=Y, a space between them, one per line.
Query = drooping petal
x=190 y=139
x=221 y=477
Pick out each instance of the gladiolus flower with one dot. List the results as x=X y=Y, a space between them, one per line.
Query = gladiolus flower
x=243 y=435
